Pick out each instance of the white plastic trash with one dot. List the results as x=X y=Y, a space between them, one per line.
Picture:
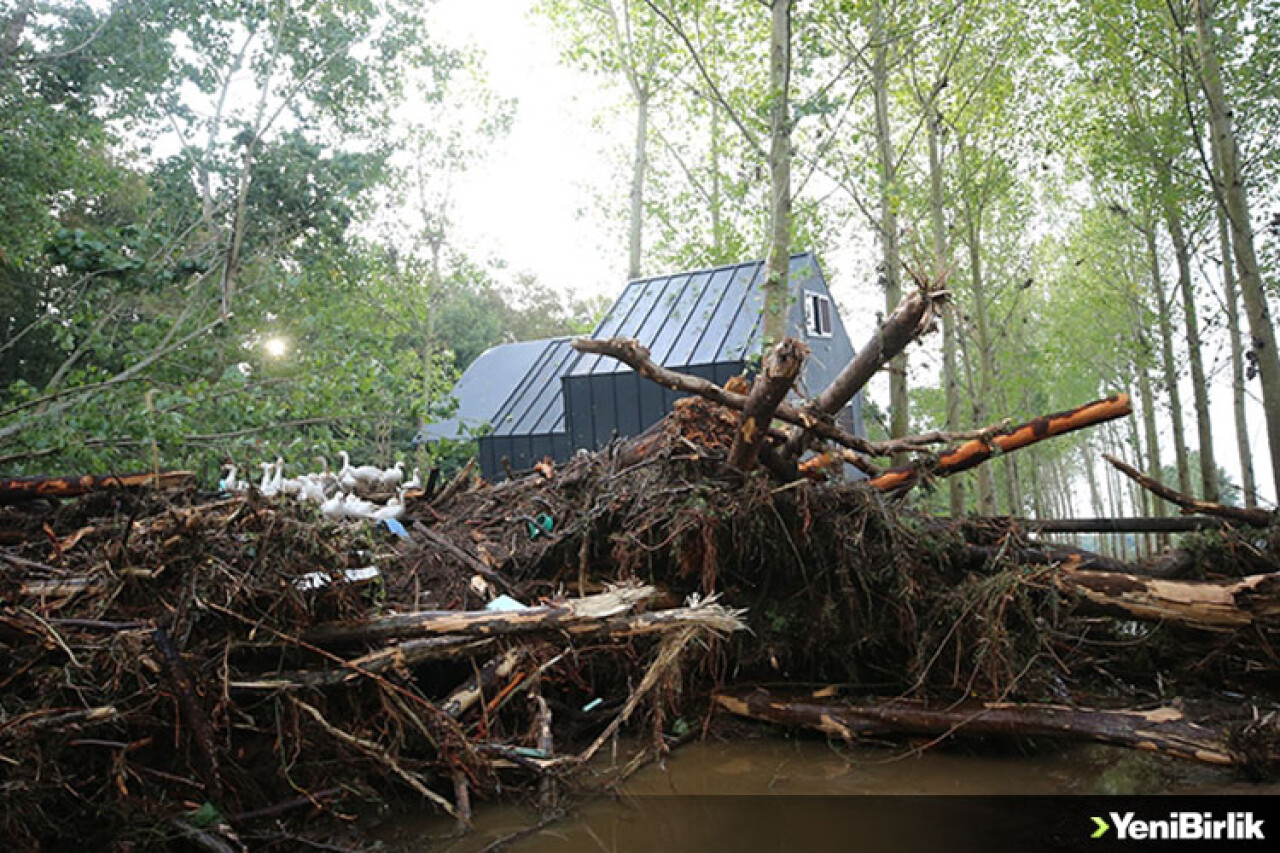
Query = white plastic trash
x=505 y=604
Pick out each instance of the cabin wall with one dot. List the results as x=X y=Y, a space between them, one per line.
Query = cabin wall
x=523 y=452
x=602 y=407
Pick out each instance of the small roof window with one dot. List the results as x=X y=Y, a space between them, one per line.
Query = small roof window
x=817 y=315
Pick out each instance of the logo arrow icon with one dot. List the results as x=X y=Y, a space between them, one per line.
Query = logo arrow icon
x=1103 y=826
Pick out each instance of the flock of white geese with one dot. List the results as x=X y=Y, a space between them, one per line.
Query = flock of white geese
x=340 y=495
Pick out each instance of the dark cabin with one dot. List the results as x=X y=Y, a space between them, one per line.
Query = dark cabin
x=554 y=400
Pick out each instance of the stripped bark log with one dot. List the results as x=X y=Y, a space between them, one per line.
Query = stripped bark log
x=911 y=319
x=1188 y=504
x=14 y=489
x=1163 y=730
x=473 y=690
x=777 y=375
x=705 y=614
x=483 y=623
x=400 y=656
x=1208 y=605
x=976 y=452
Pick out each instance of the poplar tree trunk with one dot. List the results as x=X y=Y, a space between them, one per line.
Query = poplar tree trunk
x=1199 y=388
x=1169 y=366
x=639 y=168
x=942 y=260
x=717 y=227
x=1230 y=296
x=899 y=413
x=1232 y=197
x=986 y=364
x=777 y=283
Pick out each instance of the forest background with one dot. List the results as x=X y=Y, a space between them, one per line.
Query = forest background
x=240 y=229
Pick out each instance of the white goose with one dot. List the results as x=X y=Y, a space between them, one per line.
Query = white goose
x=365 y=474
x=357 y=507
x=334 y=509
x=393 y=509
x=389 y=479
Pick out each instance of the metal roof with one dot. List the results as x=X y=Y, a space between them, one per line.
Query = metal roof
x=536 y=406
x=484 y=387
x=702 y=317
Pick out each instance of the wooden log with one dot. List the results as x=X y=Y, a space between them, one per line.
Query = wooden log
x=399 y=656
x=777 y=375
x=1188 y=524
x=14 y=489
x=1163 y=730
x=707 y=615
x=1209 y=605
x=1188 y=504
x=483 y=623
x=974 y=453
x=471 y=691
x=909 y=320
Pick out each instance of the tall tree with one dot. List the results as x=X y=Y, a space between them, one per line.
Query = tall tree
x=1229 y=189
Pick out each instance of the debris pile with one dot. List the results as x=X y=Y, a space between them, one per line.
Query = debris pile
x=182 y=668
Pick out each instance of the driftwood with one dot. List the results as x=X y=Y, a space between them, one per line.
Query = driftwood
x=395 y=657
x=1188 y=504
x=13 y=489
x=1163 y=730
x=909 y=320
x=471 y=691
x=483 y=623
x=705 y=614
x=974 y=453
x=1211 y=605
x=778 y=373
x=1188 y=524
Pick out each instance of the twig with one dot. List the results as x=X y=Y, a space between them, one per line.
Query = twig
x=377 y=752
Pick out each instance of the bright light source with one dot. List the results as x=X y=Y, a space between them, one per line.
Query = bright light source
x=275 y=347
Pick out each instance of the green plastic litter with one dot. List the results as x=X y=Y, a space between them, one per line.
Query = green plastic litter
x=540 y=526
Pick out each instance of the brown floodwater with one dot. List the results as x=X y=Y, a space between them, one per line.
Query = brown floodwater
x=805 y=794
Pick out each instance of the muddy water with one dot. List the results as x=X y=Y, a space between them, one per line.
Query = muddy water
x=804 y=794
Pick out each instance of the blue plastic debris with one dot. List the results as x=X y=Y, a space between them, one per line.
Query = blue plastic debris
x=592 y=705
x=396 y=527
x=504 y=604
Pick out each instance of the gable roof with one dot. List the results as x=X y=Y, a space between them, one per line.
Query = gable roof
x=536 y=405
x=485 y=386
x=706 y=316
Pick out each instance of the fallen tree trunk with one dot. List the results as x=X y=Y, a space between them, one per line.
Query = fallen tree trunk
x=1118 y=525
x=483 y=623
x=14 y=489
x=1210 y=605
x=781 y=367
x=706 y=614
x=1188 y=504
x=474 y=688
x=908 y=321
x=1162 y=730
x=974 y=453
